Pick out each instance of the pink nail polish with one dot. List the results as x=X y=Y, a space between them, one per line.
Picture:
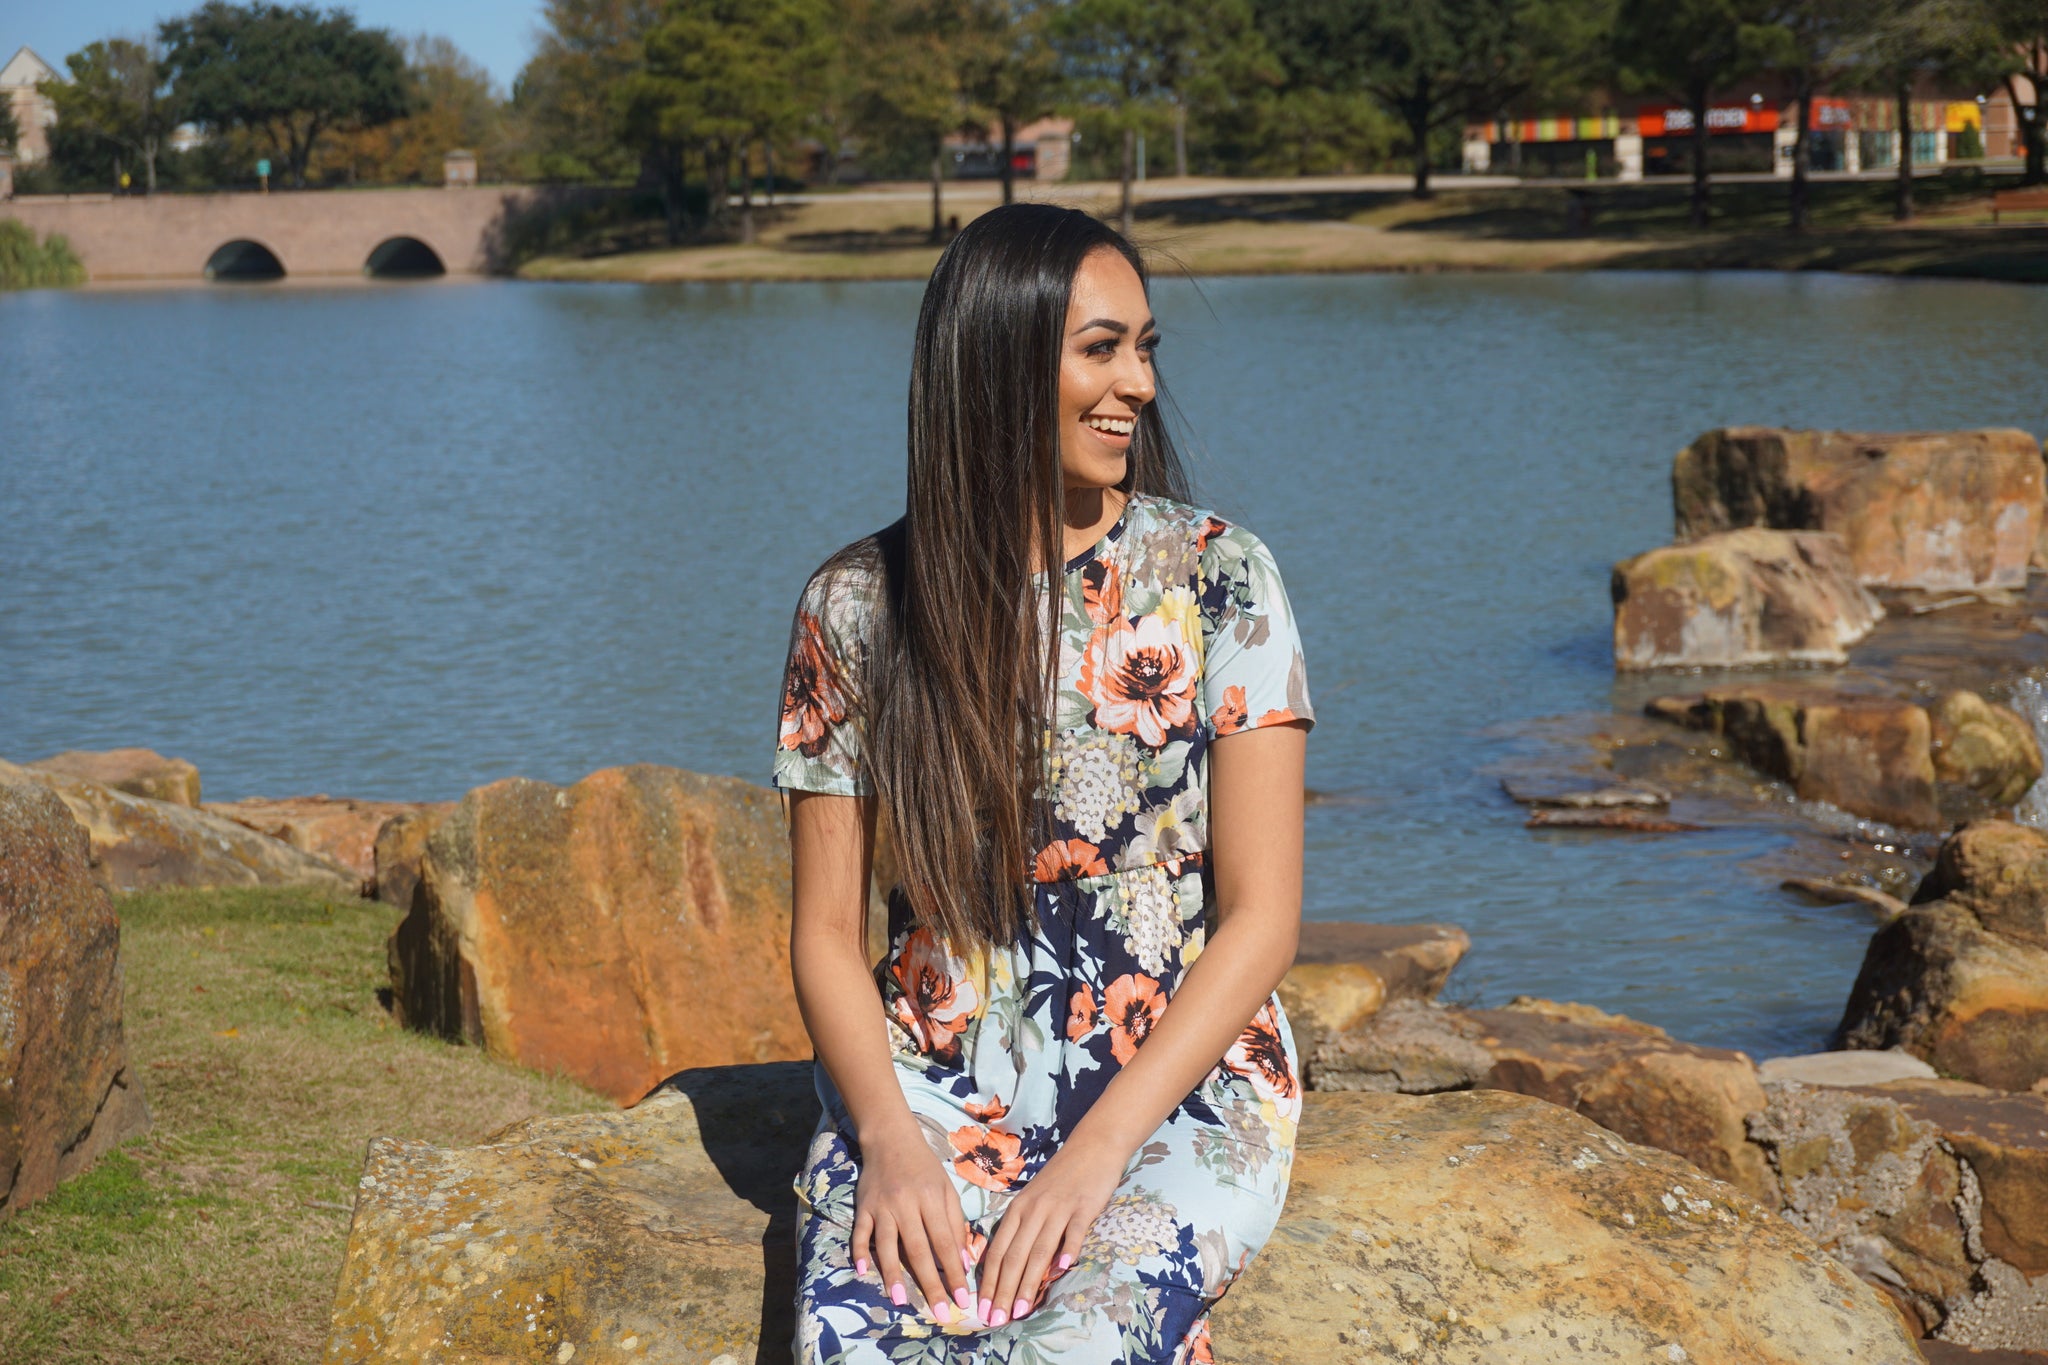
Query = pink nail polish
x=965 y=1300
x=860 y=1267
x=942 y=1310
x=966 y=1259
x=985 y=1306
x=1023 y=1307
x=1066 y=1262
x=897 y=1296
x=999 y=1319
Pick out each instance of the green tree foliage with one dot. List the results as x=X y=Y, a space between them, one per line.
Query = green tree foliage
x=26 y=263
x=1690 y=48
x=2019 y=53
x=1134 y=65
x=288 y=73
x=913 y=83
x=115 y=112
x=1814 y=45
x=10 y=127
x=566 y=111
x=1011 y=69
x=452 y=105
x=1435 y=64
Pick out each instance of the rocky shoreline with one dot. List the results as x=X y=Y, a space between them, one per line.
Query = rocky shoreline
x=1857 y=618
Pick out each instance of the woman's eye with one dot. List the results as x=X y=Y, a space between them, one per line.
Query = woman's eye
x=1102 y=348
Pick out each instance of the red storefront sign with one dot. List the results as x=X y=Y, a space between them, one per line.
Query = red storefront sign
x=1671 y=121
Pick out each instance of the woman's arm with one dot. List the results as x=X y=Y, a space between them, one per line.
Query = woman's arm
x=905 y=1208
x=1255 y=803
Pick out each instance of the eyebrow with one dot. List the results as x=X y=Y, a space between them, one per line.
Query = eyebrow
x=1113 y=325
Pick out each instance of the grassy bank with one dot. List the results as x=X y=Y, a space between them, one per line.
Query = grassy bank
x=253 y=1019
x=26 y=263
x=1536 y=227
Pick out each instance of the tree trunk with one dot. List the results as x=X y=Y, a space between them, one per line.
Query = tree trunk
x=672 y=207
x=149 y=164
x=2033 y=137
x=1802 y=151
x=1124 y=201
x=768 y=168
x=938 y=233
x=1417 y=113
x=747 y=191
x=1701 y=207
x=1903 y=208
x=1009 y=170
x=1180 y=141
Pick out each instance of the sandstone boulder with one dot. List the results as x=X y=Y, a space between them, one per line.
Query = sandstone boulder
x=614 y=931
x=1867 y=755
x=1961 y=978
x=139 y=843
x=1745 y=598
x=1411 y=1047
x=1345 y=972
x=1942 y=510
x=1449 y=1229
x=400 y=846
x=340 y=829
x=139 y=772
x=67 y=1093
x=1987 y=749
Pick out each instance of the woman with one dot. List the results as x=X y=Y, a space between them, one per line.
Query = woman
x=1092 y=771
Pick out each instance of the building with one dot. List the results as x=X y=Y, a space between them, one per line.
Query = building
x=32 y=109
x=1042 y=150
x=1745 y=133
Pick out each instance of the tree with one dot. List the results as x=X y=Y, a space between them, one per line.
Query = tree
x=1011 y=69
x=1902 y=42
x=1434 y=64
x=565 y=102
x=452 y=105
x=1691 y=48
x=912 y=86
x=1133 y=64
x=1813 y=43
x=116 y=104
x=10 y=128
x=290 y=73
x=2019 y=30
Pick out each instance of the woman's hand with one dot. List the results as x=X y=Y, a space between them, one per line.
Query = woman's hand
x=1051 y=1217
x=906 y=1215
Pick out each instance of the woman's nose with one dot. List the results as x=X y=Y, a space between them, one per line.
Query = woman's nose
x=1136 y=384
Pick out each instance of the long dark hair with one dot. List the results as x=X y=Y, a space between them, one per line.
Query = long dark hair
x=956 y=691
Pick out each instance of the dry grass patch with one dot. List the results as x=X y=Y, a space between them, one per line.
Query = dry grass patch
x=268 y=1061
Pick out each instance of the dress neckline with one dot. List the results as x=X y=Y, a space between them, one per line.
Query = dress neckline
x=1108 y=538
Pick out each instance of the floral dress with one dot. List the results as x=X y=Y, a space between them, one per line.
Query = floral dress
x=1175 y=630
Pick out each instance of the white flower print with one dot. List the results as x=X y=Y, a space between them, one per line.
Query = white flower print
x=1169 y=830
x=1094 y=781
x=1136 y=1225
x=1152 y=917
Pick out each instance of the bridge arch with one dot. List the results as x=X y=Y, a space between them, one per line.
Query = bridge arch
x=244 y=260
x=404 y=258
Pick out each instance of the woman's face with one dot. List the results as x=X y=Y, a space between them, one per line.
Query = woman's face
x=1105 y=370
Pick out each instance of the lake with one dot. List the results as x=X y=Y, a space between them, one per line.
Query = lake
x=400 y=540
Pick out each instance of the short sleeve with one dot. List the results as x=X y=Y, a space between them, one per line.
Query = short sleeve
x=1252 y=669
x=818 y=746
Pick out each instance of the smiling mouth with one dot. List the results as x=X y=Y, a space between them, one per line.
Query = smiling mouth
x=1113 y=426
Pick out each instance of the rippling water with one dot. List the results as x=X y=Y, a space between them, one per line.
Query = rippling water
x=398 y=541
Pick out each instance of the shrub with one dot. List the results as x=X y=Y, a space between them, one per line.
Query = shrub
x=28 y=264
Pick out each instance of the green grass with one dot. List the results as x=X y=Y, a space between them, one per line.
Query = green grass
x=268 y=1062
x=26 y=263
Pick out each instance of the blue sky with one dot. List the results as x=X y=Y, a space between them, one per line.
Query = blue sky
x=497 y=33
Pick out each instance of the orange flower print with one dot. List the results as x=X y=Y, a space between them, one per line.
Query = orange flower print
x=989 y=1157
x=812 y=699
x=1199 y=1350
x=1261 y=1055
x=1133 y=1004
x=1211 y=528
x=1230 y=716
x=1141 y=678
x=935 y=1001
x=1080 y=1015
x=1063 y=860
x=987 y=1113
x=1102 y=592
x=1279 y=717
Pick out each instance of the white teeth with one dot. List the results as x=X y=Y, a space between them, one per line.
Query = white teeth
x=1121 y=426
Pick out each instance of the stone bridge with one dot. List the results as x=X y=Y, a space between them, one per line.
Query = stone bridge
x=426 y=231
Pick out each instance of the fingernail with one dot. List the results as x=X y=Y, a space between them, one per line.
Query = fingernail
x=963 y=1298
x=942 y=1310
x=985 y=1306
x=897 y=1296
x=999 y=1319
x=1066 y=1263
x=966 y=1259
x=1023 y=1307
x=860 y=1267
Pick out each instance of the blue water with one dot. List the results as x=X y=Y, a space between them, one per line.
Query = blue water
x=397 y=541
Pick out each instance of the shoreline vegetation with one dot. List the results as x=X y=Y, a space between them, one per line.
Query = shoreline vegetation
x=1216 y=228
x=26 y=263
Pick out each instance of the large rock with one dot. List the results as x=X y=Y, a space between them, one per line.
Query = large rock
x=1450 y=1229
x=1935 y=1191
x=139 y=772
x=67 y=1093
x=1868 y=755
x=139 y=843
x=616 y=930
x=1344 y=973
x=400 y=847
x=1943 y=510
x=340 y=829
x=1961 y=978
x=1744 y=598
x=1986 y=749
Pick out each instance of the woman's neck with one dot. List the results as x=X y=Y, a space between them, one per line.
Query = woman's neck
x=1087 y=517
